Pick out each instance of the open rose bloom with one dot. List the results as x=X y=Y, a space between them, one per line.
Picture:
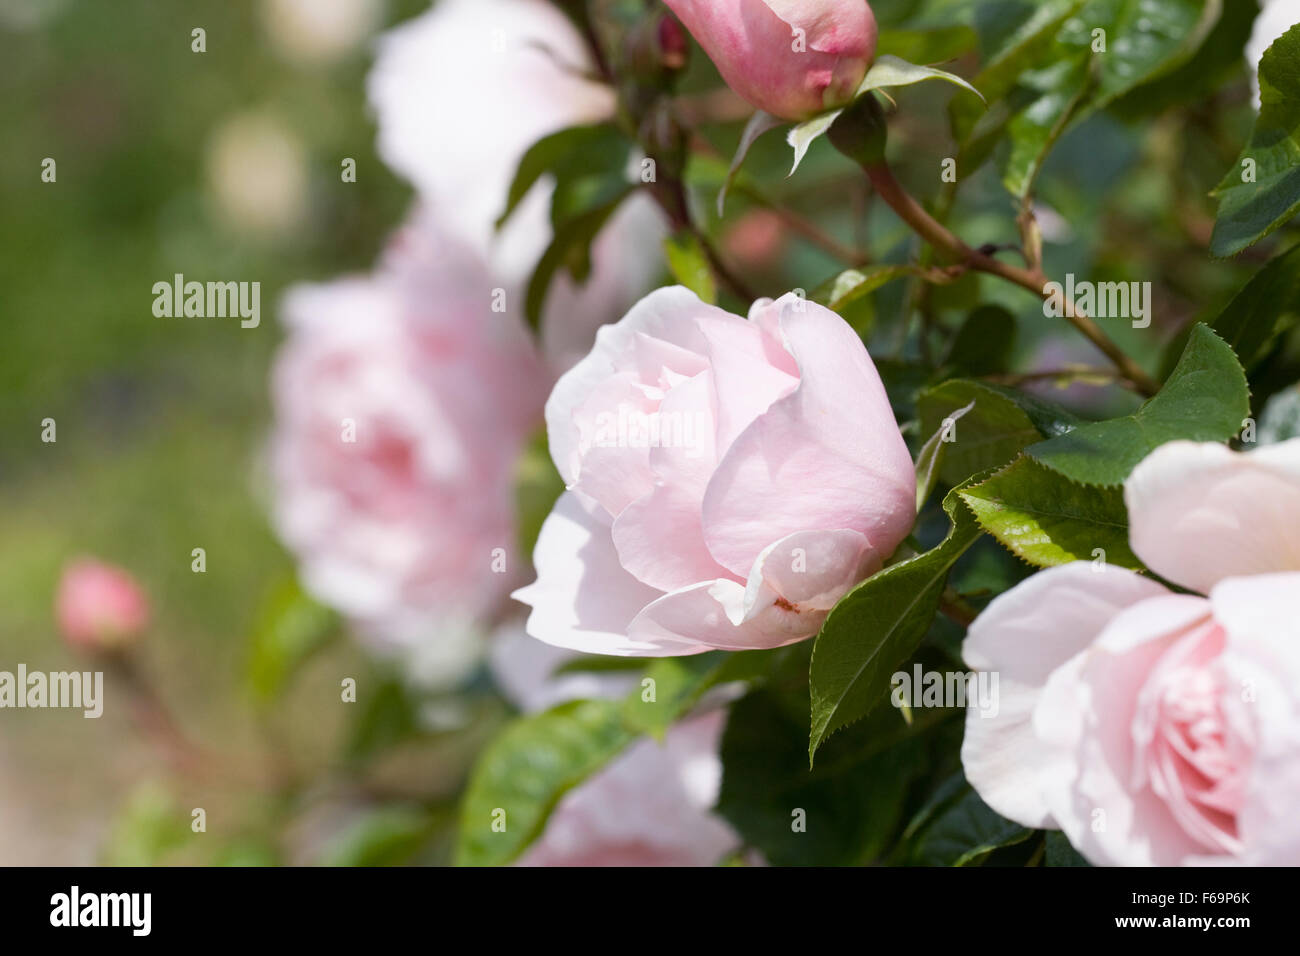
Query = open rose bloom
x=728 y=480
x=1157 y=728
x=402 y=402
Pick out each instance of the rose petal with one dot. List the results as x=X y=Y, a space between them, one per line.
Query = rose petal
x=1135 y=826
x=660 y=536
x=1024 y=636
x=582 y=598
x=669 y=314
x=1262 y=664
x=828 y=455
x=1199 y=512
x=704 y=614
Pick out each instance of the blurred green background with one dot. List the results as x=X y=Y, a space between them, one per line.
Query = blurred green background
x=159 y=421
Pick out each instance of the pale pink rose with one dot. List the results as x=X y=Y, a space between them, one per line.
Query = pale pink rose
x=790 y=58
x=402 y=402
x=99 y=606
x=521 y=72
x=729 y=480
x=649 y=807
x=1156 y=728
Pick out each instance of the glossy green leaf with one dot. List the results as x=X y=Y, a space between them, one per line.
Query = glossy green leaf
x=525 y=772
x=1046 y=519
x=1001 y=424
x=843 y=812
x=877 y=626
x=1267 y=306
x=1262 y=190
x=962 y=830
x=1053 y=71
x=1205 y=399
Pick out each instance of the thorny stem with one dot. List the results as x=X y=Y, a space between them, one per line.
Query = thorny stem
x=1032 y=279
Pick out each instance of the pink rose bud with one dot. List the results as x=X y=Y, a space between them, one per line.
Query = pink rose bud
x=729 y=480
x=790 y=58
x=99 y=606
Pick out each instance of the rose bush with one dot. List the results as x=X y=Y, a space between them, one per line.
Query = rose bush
x=1157 y=728
x=721 y=495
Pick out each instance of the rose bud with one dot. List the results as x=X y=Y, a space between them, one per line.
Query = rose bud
x=99 y=607
x=791 y=58
x=729 y=480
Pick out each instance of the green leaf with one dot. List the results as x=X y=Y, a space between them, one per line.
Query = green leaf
x=1060 y=853
x=852 y=284
x=962 y=830
x=1250 y=210
x=876 y=627
x=679 y=682
x=290 y=627
x=1205 y=399
x=930 y=458
x=890 y=71
x=984 y=343
x=1051 y=78
x=1267 y=306
x=887 y=71
x=527 y=770
x=1046 y=519
x=844 y=812
x=806 y=133
x=1021 y=49
x=1001 y=424
x=689 y=265
x=571 y=155
x=570 y=248
x=758 y=124
x=388 y=836
x=537 y=486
